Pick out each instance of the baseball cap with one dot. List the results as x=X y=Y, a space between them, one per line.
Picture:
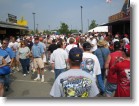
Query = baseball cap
x=75 y=54
x=125 y=35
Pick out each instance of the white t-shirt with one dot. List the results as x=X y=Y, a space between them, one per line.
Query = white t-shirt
x=74 y=83
x=23 y=52
x=14 y=46
x=126 y=40
x=114 y=40
x=69 y=47
x=94 y=42
x=59 y=57
x=97 y=69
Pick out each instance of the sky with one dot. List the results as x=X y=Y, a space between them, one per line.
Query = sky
x=50 y=13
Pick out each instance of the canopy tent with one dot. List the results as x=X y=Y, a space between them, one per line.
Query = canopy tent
x=99 y=29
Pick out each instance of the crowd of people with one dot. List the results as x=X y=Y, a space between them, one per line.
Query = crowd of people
x=84 y=65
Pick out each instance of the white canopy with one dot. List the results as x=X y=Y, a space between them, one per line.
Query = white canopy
x=99 y=29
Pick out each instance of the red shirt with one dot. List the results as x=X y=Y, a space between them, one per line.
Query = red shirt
x=112 y=77
x=123 y=78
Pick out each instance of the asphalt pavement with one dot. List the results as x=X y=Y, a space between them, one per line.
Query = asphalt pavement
x=21 y=86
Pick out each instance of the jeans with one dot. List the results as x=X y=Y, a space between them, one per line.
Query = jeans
x=28 y=64
x=25 y=65
x=58 y=72
x=103 y=74
x=100 y=83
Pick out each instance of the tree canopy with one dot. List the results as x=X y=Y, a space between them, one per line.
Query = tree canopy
x=93 y=24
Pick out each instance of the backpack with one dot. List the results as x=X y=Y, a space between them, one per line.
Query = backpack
x=87 y=65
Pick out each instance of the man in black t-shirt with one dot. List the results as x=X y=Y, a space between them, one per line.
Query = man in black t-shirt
x=52 y=47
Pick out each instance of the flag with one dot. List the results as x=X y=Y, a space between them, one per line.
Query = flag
x=108 y=1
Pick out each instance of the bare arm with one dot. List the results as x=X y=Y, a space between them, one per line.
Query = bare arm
x=3 y=63
x=107 y=62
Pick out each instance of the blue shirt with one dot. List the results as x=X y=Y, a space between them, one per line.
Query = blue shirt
x=7 y=51
x=102 y=55
x=37 y=50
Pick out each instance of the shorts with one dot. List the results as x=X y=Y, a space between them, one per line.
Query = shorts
x=38 y=63
x=110 y=88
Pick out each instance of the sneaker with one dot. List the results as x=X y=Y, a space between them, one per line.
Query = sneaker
x=42 y=80
x=24 y=75
x=17 y=68
x=36 y=79
x=28 y=72
x=13 y=68
x=33 y=70
x=45 y=70
x=52 y=71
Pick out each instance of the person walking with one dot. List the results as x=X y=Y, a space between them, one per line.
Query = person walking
x=38 y=52
x=102 y=54
x=122 y=69
x=59 y=59
x=4 y=69
x=9 y=56
x=24 y=53
x=91 y=65
x=111 y=83
x=74 y=82
x=50 y=50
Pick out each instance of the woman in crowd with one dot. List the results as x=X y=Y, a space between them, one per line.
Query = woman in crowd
x=24 y=53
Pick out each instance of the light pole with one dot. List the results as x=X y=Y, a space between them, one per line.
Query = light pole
x=81 y=20
x=34 y=21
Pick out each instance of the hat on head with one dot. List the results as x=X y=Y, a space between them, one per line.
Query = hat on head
x=127 y=49
x=102 y=43
x=75 y=54
x=125 y=35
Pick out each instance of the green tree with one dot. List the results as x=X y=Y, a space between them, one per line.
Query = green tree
x=93 y=24
x=31 y=32
x=73 y=31
x=64 y=29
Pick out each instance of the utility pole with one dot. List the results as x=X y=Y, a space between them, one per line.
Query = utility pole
x=34 y=22
x=81 y=20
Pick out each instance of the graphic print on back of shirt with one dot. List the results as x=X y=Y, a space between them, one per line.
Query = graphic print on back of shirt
x=88 y=65
x=127 y=71
x=78 y=86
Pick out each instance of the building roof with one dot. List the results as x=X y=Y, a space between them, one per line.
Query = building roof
x=12 y=25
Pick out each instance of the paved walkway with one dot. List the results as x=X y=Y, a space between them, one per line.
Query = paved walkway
x=27 y=87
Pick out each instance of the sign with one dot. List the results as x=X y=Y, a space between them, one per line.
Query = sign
x=22 y=22
x=12 y=18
